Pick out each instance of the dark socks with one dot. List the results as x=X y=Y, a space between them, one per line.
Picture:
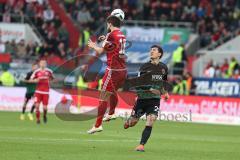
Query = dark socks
x=146 y=134
x=23 y=110
x=44 y=112
x=32 y=109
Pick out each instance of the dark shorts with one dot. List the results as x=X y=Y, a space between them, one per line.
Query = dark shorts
x=28 y=96
x=145 y=106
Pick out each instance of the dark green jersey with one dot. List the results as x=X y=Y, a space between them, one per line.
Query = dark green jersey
x=30 y=86
x=144 y=92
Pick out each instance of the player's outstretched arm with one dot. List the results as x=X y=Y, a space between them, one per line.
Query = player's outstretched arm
x=36 y=80
x=94 y=46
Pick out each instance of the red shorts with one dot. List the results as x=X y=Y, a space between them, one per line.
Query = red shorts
x=113 y=80
x=38 y=98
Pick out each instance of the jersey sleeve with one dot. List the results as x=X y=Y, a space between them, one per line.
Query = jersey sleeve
x=165 y=76
x=51 y=76
x=109 y=43
x=28 y=76
x=142 y=70
x=34 y=75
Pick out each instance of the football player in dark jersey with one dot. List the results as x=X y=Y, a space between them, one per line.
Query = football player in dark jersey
x=148 y=96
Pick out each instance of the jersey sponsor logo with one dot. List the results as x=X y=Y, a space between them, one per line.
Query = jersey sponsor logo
x=157 y=77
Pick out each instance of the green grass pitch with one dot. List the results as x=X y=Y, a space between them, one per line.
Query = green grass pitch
x=59 y=140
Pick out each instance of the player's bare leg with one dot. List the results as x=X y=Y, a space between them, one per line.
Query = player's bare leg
x=37 y=105
x=130 y=122
x=146 y=132
x=102 y=108
x=45 y=113
x=113 y=100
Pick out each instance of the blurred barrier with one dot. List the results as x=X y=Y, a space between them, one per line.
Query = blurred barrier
x=217 y=87
x=192 y=108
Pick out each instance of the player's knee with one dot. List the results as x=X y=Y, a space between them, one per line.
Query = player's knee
x=37 y=105
x=151 y=119
x=104 y=95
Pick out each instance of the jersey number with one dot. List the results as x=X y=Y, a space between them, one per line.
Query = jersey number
x=122 y=47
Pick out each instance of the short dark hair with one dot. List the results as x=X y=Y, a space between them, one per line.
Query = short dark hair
x=116 y=22
x=160 y=50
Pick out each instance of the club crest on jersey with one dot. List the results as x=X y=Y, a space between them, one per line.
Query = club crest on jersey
x=163 y=71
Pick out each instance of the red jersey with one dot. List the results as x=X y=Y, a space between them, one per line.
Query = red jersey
x=114 y=45
x=44 y=76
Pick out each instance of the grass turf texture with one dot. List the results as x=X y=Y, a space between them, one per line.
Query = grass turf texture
x=59 y=140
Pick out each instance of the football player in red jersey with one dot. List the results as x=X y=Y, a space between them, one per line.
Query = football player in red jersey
x=114 y=77
x=42 y=76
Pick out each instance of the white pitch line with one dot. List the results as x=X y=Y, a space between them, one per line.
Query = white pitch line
x=64 y=139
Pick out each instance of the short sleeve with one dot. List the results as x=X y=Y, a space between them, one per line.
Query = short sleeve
x=34 y=75
x=109 y=43
x=28 y=76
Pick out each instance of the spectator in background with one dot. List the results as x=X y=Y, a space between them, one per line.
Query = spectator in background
x=21 y=51
x=189 y=9
x=52 y=42
x=179 y=59
x=30 y=10
x=209 y=70
x=146 y=9
x=83 y=39
x=48 y=14
x=6 y=78
x=218 y=72
x=178 y=87
x=224 y=66
x=31 y=49
x=236 y=74
x=6 y=17
x=188 y=78
x=2 y=47
x=44 y=50
x=57 y=22
x=69 y=4
x=61 y=50
x=11 y=47
x=179 y=55
x=200 y=12
x=84 y=17
x=63 y=34
x=233 y=66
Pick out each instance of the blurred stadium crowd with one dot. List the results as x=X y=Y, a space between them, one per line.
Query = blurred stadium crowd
x=90 y=14
x=212 y=20
x=225 y=70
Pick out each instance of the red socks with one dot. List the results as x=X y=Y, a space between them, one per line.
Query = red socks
x=38 y=114
x=101 y=111
x=113 y=104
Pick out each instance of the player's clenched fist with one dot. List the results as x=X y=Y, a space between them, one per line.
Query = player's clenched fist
x=91 y=44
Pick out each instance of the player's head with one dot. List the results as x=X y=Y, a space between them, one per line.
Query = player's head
x=156 y=52
x=42 y=63
x=113 y=22
x=34 y=66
